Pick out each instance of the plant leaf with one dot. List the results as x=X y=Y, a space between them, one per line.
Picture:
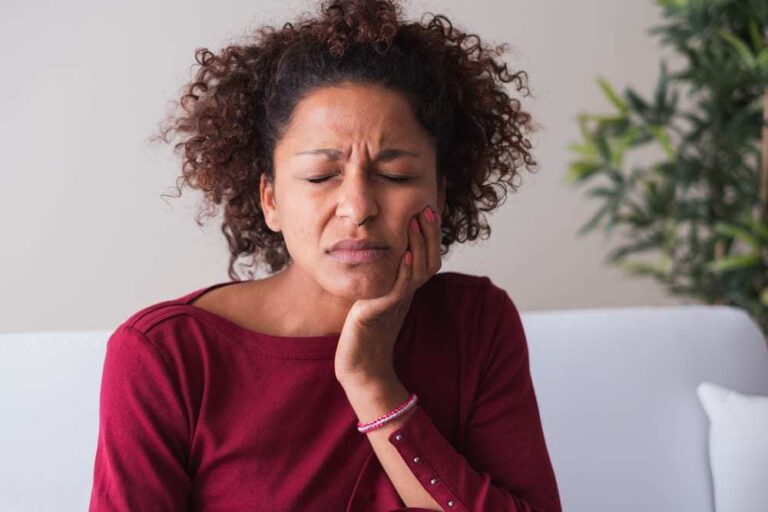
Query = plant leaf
x=660 y=134
x=737 y=232
x=637 y=103
x=595 y=220
x=757 y=38
x=581 y=170
x=640 y=268
x=612 y=96
x=741 y=48
x=738 y=262
x=587 y=149
x=602 y=146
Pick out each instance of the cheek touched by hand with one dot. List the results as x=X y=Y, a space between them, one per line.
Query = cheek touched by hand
x=365 y=351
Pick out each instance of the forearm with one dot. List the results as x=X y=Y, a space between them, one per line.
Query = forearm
x=371 y=401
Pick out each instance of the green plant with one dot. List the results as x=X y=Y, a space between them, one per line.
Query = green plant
x=702 y=208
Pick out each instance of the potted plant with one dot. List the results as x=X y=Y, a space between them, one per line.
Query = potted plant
x=701 y=209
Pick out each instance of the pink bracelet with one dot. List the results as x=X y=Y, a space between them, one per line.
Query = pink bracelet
x=395 y=413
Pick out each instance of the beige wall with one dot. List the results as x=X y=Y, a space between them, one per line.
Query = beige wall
x=87 y=239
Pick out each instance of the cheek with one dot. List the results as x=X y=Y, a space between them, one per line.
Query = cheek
x=416 y=203
x=306 y=234
x=409 y=209
x=299 y=232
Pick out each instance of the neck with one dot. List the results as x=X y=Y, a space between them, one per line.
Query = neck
x=305 y=308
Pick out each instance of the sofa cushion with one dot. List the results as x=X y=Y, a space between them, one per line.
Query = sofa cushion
x=738 y=447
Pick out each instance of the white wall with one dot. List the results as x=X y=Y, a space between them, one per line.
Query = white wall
x=87 y=239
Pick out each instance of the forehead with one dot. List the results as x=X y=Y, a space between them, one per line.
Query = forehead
x=354 y=112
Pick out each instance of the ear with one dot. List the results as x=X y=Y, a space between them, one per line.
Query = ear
x=268 y=203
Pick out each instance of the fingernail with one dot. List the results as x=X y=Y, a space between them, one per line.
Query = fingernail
x=429 y=214
x=414 y=225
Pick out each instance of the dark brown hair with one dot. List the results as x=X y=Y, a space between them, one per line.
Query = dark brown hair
x=234 y=110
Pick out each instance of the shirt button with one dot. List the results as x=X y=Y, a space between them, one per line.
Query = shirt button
x=433 y=481
x=417 y=459
x=398 y=437
x=450 y=503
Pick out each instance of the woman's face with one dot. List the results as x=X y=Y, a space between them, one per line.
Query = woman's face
x=373 y=168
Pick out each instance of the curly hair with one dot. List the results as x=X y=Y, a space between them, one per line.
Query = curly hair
x=236 y=107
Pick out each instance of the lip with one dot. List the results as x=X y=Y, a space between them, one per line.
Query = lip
x=357 y=255
x=354 y=245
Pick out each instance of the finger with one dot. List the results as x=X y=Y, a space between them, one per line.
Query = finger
x=416 y=245
x=432 y=236
x=404 y=278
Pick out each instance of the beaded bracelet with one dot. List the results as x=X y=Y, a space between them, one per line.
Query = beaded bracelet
x=395 y=413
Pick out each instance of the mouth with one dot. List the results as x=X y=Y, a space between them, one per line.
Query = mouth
x=357 y=255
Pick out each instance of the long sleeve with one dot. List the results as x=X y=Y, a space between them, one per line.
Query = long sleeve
x=505 y=465
x=143 y=430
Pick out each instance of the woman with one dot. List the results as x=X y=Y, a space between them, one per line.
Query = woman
x=349 y=151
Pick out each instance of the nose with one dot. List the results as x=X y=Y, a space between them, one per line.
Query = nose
x=357 y=198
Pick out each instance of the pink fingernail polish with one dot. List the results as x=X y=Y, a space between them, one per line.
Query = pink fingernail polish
x=429 y=214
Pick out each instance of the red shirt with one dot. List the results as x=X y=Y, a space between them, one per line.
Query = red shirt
x=199 y=413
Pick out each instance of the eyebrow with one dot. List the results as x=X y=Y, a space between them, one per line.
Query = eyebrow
x=384 y=154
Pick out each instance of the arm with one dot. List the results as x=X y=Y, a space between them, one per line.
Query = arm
x=143 y=431
x=505 y=466
x=373 y=401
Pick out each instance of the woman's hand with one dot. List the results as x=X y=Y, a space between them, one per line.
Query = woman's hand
x=366 y=346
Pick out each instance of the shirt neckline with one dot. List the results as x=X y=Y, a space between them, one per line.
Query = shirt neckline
x=322 y=346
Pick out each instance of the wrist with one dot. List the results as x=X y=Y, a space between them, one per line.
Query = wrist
x=368 y=383
x=374 y=399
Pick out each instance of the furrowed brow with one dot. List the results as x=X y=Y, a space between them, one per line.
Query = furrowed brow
x=383 y=156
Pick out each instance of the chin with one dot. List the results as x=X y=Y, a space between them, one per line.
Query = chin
x=359 y=282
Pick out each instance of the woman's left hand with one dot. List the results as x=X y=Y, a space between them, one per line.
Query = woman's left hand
x=366 y=346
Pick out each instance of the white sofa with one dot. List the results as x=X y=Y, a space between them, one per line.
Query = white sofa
x=616 y=390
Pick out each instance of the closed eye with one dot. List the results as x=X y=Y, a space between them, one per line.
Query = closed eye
x=396 y=179
x=393 y=179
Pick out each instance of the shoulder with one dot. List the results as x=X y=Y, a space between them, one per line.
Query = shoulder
x=470 y=303
x=460 y=279
x=162 y=322
x=152 y=315
x=472 y=315
x=163 y=343
x=460 y=289
x=168 y=334
x=473 y=302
